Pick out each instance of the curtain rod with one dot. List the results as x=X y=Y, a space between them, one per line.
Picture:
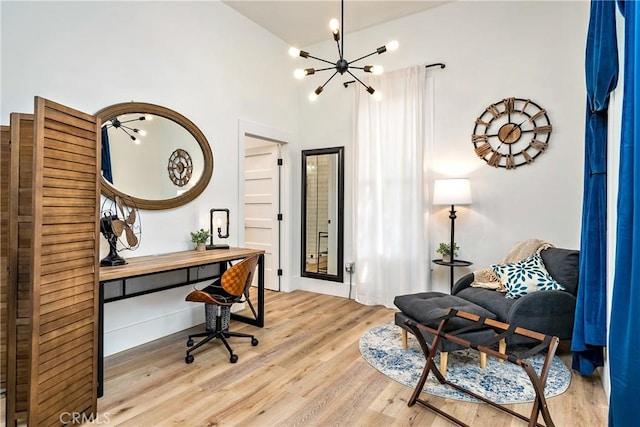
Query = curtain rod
x=440 y=64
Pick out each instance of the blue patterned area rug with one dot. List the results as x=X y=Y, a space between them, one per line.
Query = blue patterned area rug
x=504 y=383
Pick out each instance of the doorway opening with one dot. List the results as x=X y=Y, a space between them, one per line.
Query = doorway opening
x=263 y=204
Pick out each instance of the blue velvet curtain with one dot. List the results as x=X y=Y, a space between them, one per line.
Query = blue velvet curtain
x=624 y=329
x=601 y=70
x=106 y=156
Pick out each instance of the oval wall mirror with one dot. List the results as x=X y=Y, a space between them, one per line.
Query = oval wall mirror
x=152 y=155
x=322 y=213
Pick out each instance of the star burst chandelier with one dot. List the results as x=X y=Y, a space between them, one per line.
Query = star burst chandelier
x=341 y=66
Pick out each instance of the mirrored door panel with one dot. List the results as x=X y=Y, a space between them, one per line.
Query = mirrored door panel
x=322 y=213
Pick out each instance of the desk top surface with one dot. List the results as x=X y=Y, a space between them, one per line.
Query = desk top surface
x=171 y=261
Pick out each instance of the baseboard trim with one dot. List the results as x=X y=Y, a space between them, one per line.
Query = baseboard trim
x=132 y=335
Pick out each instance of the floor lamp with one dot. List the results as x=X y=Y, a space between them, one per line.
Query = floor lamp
x=452 y=192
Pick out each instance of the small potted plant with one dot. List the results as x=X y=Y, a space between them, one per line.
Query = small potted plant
x=444 y=249
x=200 y=238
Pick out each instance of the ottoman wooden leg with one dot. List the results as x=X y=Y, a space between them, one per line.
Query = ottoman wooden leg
x=483 y=360
x=502 y=348
x=443 y=362
x=404 y=338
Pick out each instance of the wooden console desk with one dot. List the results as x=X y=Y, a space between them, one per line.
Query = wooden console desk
x=113 y=282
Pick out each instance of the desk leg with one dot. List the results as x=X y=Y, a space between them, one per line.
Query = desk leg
x=101 y=341
x=259 y=319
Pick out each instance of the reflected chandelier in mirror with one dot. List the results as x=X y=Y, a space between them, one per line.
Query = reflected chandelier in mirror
x=139 y=161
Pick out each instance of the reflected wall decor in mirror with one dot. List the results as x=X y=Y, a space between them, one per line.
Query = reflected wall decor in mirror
x=153 y=155
x=322 y=213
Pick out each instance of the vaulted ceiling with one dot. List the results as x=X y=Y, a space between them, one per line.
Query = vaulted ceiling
x=305 y=22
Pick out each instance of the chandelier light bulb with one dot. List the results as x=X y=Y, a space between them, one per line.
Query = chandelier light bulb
x=377 y=95
x=147 y=117
x=142 y=132
x=392 y=45
x=334 y=25
x=299 y=73
x=374 y=69
x=314 y=95
x=335 y=29
x=294 y=51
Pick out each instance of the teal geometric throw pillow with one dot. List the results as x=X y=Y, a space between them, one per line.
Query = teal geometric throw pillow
x=525 y=277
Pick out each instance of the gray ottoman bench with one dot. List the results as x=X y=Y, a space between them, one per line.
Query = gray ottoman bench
x=427 y=308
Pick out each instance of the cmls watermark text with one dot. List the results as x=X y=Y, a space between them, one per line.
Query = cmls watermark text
x=82 y=418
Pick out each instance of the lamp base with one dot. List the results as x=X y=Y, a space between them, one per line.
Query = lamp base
x=217 y=247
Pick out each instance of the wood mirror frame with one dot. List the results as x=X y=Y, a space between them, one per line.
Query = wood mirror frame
x=319 y=262
x=109 y=190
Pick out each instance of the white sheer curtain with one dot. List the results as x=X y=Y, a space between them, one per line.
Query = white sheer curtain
x=391 y=187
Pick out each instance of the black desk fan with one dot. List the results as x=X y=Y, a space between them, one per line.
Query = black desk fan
x=124 y=229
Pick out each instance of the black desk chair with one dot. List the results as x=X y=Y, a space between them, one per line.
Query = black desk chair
x=232 y=287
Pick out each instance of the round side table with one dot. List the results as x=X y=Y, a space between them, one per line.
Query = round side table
x=452 y=264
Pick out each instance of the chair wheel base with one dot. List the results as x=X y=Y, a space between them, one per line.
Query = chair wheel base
x=233 y=358
x=188 y=359
x=254 y=342
x=189 y=342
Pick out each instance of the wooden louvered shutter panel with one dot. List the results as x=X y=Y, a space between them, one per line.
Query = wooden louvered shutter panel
x=5 y=153
x=66 y=198
x=19 y=259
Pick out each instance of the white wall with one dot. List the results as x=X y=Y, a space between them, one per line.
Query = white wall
x=220 y=70
x=201 y=59
x=492 y=50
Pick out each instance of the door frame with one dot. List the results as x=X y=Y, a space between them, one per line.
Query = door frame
x=284 y=138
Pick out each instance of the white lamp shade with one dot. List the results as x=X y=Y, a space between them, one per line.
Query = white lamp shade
x=452 y=192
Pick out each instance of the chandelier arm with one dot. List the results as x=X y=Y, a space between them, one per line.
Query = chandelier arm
x=362 y=57
x=128 y=134
x=132 y=120
x=129 y=128
x=339 y=49
x=342 y=28
x=320 y=59
x=325 y=69
x=354 y=76
x=329 y=79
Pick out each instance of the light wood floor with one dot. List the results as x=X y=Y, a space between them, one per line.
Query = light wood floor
x=306 y=371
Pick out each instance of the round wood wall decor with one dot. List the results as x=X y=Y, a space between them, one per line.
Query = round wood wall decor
x=180 y=167
x=511 y=133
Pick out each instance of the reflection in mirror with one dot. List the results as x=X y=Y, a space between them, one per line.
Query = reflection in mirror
x=157 y=157
x=172 y=162
x=322 y=213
